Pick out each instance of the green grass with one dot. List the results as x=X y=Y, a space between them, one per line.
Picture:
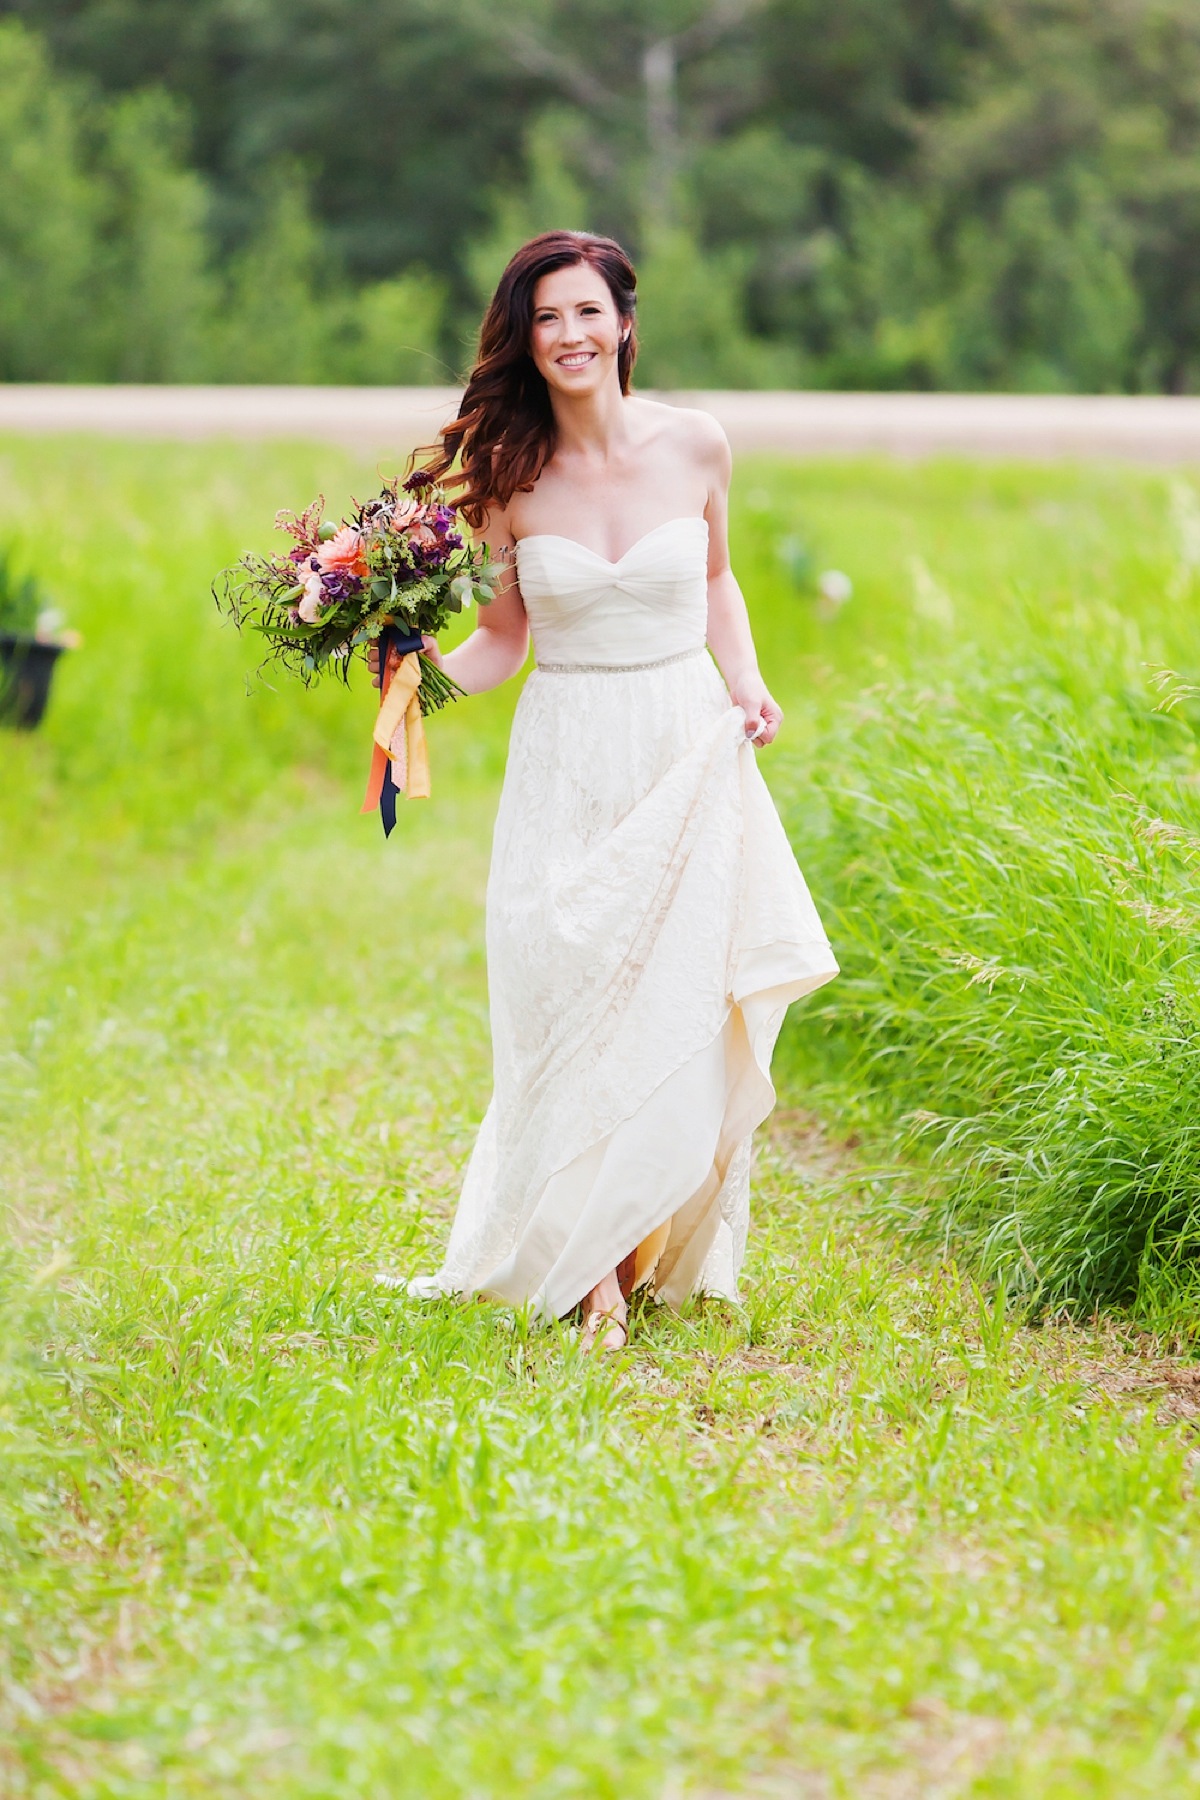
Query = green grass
x=264 y=1529
x=1006 y=828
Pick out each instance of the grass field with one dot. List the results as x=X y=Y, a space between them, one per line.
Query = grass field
x=264 y=1530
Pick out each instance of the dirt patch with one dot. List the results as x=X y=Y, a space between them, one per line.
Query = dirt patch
x=1170 y=1386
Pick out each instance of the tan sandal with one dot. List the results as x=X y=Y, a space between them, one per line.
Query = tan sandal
x=591 y=1339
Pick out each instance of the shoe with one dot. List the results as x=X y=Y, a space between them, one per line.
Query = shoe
x=595 y=1324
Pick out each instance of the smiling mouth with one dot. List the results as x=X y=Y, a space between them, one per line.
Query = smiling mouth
x=577 y=359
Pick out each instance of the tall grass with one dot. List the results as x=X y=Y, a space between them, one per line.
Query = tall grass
x=1008 y=847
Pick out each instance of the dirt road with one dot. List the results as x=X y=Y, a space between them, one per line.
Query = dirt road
x=1142 y=428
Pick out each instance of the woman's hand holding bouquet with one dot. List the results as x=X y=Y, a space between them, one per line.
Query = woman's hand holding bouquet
x=389 y=578
x=429 y=648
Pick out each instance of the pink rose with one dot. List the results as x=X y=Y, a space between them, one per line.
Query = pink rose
x=314 y=598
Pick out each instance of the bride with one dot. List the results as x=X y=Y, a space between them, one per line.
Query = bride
x=647 y=924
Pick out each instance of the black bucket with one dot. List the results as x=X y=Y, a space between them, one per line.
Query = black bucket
x=26 y=665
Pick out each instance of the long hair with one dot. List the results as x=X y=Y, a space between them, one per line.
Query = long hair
x=504 y=432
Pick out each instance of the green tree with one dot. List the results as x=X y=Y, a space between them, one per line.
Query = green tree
x=692 y=331
x=50 y=217
x=552 y=197
x=161 y=291
x=1071 y=162
x=1047 y=299
x=403 y=113
x=843 y=192
x=278 y=317
x=392 y=331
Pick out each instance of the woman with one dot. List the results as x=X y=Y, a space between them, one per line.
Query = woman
x=647 y=924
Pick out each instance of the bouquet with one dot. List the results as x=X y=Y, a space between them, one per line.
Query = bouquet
x=394 y=572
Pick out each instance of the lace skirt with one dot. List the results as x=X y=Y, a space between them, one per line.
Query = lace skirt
x=647 y=926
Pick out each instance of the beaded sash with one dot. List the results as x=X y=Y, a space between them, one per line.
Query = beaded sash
x=618 y=668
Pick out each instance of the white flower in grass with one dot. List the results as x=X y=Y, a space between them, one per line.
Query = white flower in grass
x=930 y=599
x=835 y=585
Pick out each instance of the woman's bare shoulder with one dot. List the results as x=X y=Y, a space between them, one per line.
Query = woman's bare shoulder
x=495 y=529
x=689 y=428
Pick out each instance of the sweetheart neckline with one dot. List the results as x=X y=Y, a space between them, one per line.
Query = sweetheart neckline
x=557 y=537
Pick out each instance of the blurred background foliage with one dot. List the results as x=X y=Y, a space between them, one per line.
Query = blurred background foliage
x=832 y=193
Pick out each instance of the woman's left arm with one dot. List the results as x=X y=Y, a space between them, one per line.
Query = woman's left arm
x=729 y=635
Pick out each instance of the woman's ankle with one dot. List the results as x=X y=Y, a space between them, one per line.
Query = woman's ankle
x=607 y=1297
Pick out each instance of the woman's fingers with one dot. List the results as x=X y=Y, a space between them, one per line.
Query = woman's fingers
x=762 y=727
x=428 y=644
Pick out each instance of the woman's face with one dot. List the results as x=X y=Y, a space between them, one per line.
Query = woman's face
x=576 y=330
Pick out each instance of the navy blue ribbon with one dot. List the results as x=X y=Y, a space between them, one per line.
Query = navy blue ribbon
x=402 y=642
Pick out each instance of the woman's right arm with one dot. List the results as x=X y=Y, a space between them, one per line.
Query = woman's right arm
x=499 y=643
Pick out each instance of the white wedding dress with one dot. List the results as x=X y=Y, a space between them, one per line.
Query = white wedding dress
x=647 y=926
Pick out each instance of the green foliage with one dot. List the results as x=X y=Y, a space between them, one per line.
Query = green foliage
x=109 y=270
x=265 y=1529
x=847 y=269
x=275 y=328
x=21 y=596
x=551 y=198
x=1007 y=837
x=1020 y=965
x=391 y=332
x=691 y=333
x=1048 y=299
x=879 y=193
x=161 y=293
x=49 y=222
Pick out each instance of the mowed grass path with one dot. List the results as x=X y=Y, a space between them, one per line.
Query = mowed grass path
x=266 y=1529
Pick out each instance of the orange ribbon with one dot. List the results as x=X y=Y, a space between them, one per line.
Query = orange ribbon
x=399 y=732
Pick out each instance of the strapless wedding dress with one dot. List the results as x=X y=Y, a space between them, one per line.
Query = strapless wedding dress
x=647 y=927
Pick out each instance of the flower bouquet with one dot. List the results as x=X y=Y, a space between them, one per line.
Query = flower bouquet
x=394 y=572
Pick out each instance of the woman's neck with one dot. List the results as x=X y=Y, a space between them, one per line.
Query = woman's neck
x=590 y=425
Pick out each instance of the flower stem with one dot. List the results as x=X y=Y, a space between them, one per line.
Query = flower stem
x=437 y=688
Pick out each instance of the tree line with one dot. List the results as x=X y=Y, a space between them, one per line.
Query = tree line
x=828 y=193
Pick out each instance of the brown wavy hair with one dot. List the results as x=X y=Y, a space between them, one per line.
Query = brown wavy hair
x=504 y=432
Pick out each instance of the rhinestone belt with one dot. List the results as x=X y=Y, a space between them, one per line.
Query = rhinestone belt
x=660 y=662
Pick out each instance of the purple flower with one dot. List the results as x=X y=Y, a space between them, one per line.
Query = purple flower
x=339 y=584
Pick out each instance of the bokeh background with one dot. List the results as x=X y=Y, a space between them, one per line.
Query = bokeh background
x=824 y=193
